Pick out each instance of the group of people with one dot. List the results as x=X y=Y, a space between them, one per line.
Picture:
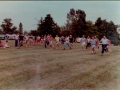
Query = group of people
x=28 y=40
x=47 y=40
x=94 y=43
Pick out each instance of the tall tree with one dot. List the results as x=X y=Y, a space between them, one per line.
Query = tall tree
x=105 y=28
x=91 y=29
x=108 y=29
x=76 y=19
x=20 y=28
x=7 y=26
x=48 y=26
x=34 y=32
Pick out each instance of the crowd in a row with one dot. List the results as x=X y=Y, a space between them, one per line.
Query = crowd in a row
x=47 y=40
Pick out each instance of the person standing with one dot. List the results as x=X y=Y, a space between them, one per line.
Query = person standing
x=31 y=40
x=93 y=42
x=21 y=39
x=38 y=40
x=42 y=40
x=6 y=37
x=35 y=39
x=46 y=41
x=62 y=39
x=88 y=42
x=104 y=42
x=71 y=41
x=51 y=41
x=83 y=42
x=108 y=44
x=97 y=44
x=57 y=39
x=67 y=42
x=26 y=39
x=16 y=39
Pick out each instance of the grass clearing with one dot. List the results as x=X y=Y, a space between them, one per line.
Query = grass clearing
x=36 y=68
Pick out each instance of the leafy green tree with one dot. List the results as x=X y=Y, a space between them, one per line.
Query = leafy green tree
x=101 y=24
x=20 y=28
x=108 y=29
x=105 y=28
x=48 y=26
x=111 y=29
x=91 y=29
x=25 y=32
x=34 y=32
x=76 y=19
x=7 y=26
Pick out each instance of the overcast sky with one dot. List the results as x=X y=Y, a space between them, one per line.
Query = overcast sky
x=28 y=12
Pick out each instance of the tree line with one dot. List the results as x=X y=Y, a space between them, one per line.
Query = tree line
x=75 y=25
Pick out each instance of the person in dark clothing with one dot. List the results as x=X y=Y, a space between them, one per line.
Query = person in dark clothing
x=62 y=40
x=88 y=42
x=45 y=41
x=71 y=41
x=16 y=37
x=6 y=37
x=21 y=38
x=104 y=42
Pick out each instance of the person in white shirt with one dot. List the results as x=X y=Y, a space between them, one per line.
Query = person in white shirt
x=104 y=42
x=57 y=39
x=26 y=39
x=16 y=39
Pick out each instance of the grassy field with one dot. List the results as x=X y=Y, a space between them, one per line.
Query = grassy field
x=39 y=68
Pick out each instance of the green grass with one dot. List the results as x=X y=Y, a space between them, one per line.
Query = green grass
x=36 y=67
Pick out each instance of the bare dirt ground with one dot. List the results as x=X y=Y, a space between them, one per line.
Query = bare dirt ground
x=39 y=68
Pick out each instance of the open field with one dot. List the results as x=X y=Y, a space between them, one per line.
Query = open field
x=39 y=68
